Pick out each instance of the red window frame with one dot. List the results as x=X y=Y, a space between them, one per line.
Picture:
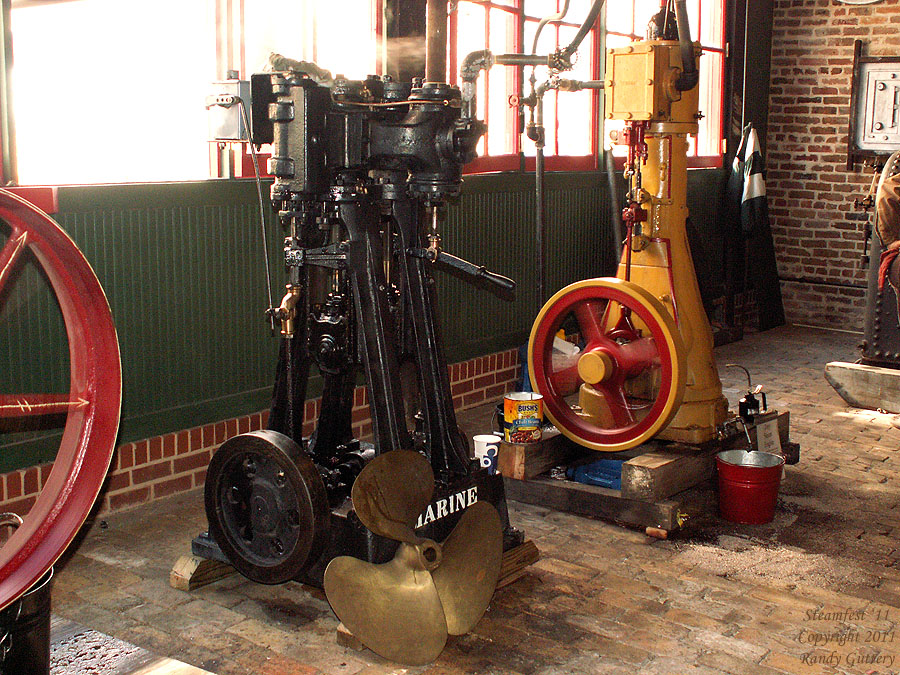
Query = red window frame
x=517 y=161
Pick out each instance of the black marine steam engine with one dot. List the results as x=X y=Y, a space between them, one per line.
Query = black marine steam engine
x=363 y=171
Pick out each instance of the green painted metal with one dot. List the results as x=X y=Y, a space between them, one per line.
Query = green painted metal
x=181 y=264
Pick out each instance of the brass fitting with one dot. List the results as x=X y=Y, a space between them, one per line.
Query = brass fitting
x=287 y=311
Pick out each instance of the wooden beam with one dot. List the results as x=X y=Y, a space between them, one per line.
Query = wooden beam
x=595 y=502
x=863 y=386
x=523 y=461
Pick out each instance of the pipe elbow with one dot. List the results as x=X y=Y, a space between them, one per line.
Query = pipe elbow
x=474 y=63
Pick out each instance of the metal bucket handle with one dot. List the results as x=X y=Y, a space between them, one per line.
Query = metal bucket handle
x=10 y=519
x=13 y=520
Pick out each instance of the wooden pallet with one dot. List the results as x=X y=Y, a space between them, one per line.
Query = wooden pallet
x=661 y=482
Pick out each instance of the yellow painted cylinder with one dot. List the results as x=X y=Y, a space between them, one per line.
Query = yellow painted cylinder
x=661 y=259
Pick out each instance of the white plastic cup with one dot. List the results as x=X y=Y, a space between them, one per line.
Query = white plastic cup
x=487 y=448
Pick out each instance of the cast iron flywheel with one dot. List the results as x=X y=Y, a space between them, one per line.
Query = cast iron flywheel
x=267 y=506
x=623 y=380
x=91 y=406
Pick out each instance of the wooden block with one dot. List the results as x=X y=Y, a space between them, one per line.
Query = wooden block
x=191 y=571
x=596 y=502
x=527 y=460
x=515 y=560
x=665 y=472
x=861 y=386
x=347 y=639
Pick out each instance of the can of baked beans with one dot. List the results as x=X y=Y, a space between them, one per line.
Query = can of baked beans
x=523 y=412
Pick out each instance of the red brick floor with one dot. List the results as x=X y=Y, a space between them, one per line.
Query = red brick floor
x=816 y=591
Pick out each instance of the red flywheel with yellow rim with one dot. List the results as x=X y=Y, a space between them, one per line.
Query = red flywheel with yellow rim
x=608 y=359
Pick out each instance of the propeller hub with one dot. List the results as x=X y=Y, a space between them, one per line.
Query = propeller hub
x=430 y=554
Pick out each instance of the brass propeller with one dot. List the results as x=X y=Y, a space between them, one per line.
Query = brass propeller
x=404 y=609
x=390 y=493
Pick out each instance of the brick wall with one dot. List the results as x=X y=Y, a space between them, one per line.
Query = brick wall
x=164 y=465
x=818 y=234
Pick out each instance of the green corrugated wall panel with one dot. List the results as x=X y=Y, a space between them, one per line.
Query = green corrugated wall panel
x=181 y=266
x=184 y=276
x=494 y=225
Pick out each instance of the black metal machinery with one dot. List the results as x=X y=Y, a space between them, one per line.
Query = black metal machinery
x=363 y=171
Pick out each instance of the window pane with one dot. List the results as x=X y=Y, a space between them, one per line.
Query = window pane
x=471 y=18
x=471 y=32
x=541 y=8
x=338 y=35
x=127 y=116
x=709 y=137
x=547 y=42
x=574 y=123
x=711 y=28
x=578 y=10
x=345 y=37
x=278 y=26
x=620 y=19
x=644 y=11
x=694 y=20
x=501 y=118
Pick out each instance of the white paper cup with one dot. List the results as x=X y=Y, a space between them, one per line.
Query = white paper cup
x=487 y=447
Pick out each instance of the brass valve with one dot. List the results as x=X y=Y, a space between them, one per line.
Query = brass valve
x=287 y=311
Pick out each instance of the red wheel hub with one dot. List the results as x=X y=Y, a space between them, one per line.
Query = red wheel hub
x=91 y=405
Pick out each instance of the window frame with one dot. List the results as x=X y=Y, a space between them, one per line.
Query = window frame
x=519 y=161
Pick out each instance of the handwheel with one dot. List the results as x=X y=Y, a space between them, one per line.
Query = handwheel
x=267 y=506
x=91 y=406
x=624 y=380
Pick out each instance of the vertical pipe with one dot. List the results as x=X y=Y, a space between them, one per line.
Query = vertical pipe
x=615 y=202
x=539 y=226
x=436 y=41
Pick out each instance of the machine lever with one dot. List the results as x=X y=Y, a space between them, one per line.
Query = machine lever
x=503 y=287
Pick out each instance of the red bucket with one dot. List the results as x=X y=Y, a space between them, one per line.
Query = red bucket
x=748 y=485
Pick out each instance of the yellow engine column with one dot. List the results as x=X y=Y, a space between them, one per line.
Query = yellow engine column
x=641 y=88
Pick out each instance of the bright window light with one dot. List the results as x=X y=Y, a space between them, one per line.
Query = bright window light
x=109 y=91
x=112 y=91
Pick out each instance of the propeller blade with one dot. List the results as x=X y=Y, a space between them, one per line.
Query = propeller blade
x=394 y=608
x=390 y=493
x=467 y=576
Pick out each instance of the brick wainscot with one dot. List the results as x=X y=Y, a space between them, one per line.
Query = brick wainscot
x=176 y=462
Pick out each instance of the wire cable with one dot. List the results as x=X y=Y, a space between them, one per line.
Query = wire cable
x=262 y=212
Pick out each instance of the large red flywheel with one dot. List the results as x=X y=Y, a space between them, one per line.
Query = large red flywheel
x=91 y=406
x=607 y=358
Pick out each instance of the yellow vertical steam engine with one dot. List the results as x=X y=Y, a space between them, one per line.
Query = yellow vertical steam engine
x=625 y=359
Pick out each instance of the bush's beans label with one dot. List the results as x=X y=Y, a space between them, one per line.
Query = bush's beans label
x=523 y=412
